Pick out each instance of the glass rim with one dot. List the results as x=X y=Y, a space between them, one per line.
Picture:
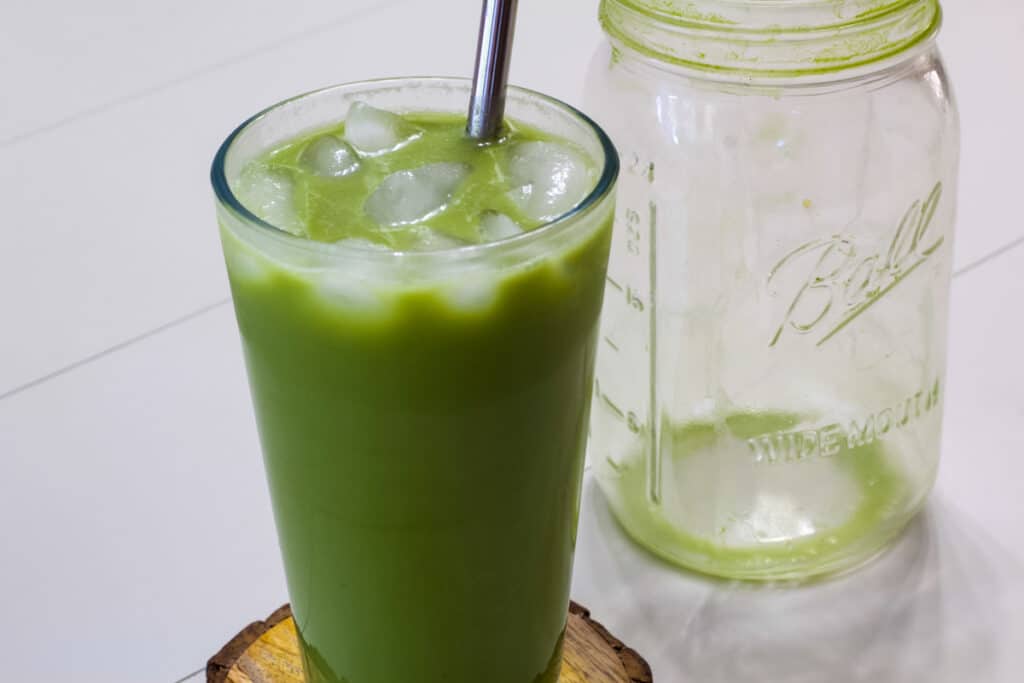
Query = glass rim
x=604 y=184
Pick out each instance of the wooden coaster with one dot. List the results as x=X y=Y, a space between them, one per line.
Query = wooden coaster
x=268 y=652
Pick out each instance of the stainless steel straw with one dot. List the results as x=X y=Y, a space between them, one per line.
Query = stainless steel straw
x=490 y=75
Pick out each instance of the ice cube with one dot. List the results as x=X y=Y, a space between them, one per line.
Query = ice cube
x=472 y=293
x=374 y=131
x=330 y=157
x=244 y=262
x=268 y=193
x=414 y=195
x=496 y=226
x=427 y=239
x=350 y=290
x=363 y=244
x=548 y=179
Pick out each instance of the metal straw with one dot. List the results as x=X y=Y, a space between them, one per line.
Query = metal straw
x=490 y=75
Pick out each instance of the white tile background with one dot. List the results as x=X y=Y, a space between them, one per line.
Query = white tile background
x=135 y=534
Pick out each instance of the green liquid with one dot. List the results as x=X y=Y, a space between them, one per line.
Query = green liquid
x=332 y=208
x=424 y=457
x=869 y=522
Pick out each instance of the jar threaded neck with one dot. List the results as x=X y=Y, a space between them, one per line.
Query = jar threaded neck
x=771 y=38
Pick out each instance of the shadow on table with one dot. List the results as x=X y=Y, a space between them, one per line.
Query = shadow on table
x=926 y=610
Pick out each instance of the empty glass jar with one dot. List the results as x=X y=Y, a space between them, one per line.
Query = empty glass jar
x=770 y=377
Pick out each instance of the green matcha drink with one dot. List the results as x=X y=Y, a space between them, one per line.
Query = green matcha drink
x=418 y=314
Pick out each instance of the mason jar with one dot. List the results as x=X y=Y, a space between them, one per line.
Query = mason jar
x=770 y=377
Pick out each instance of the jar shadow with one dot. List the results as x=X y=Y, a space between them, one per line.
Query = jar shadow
x=922 y=610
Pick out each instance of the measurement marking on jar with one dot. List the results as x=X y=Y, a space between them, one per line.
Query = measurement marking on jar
x=630 y=418
x=632 y=232
x=607 y=401
x=654 y=466
x=640 y=167
x=610 y=343
x=633 y=422
x=634 y=300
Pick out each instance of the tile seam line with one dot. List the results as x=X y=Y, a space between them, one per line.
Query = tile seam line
x=89 y=112
x=191 y=675
x=974 y=265
x=120 y=346
x=991 y=256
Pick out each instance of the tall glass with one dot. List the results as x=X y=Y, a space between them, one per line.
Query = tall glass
x=423 y=416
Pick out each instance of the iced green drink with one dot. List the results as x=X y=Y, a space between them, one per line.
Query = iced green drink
x=418 y=314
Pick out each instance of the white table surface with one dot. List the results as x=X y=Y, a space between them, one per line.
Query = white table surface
x=135 y=532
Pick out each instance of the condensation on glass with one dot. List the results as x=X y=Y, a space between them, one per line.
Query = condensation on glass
x=770 y=381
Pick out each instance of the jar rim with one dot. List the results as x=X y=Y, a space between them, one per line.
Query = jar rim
x=771 y=39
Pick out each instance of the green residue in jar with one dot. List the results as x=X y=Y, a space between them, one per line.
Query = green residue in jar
x=779 y=537
x=687 y=10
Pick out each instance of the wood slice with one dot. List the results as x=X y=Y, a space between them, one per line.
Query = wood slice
x=268 y=652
